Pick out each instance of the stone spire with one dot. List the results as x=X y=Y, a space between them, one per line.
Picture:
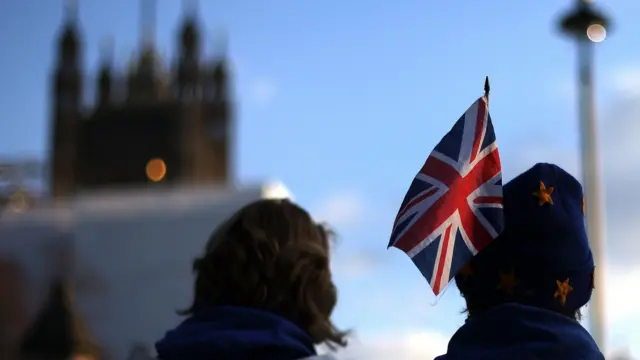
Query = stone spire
x=58 y=333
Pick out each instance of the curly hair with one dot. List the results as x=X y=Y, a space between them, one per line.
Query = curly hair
x=271 y=255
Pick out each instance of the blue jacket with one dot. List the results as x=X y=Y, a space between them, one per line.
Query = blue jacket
x=514 y=331
x=235 y=333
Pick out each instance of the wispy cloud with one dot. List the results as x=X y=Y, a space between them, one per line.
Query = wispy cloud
x=623 y=81
x=407 y=345
x=620 y=295
x=341 y=209
x=254 y=87
x=262 y=91
x=357 y=263
x=626 y=81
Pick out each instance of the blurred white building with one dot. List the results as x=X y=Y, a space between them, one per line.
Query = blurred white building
x=129 y=254
x=21 y=183
x=149 y=148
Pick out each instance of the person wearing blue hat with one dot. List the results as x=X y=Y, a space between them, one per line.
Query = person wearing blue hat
x=524 y=291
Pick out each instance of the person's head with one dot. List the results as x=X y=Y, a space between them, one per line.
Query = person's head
x=542 y=258
x=271 y=255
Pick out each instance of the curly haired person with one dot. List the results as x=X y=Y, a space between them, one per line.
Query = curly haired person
x=263 y=290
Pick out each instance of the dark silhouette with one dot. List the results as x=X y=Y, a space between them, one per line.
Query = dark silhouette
x=263 y=290
x=523 y=292
x=14 y=314
x=180 y=117
x=58 y=333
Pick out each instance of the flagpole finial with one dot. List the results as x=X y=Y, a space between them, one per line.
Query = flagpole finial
x=487 y=88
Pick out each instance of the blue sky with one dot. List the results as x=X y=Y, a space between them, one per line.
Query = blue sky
x=343 y=100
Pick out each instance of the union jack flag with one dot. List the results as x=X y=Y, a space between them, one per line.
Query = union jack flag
x=453 y=208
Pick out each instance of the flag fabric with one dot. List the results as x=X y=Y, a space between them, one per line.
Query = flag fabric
x=453 y=208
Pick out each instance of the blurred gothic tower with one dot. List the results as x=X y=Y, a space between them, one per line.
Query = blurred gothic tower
x=151 y=123
x=58 y=332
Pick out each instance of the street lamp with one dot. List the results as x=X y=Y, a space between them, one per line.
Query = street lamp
x=587 y=26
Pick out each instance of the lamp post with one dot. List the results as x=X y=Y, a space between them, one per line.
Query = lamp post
x=588 y=26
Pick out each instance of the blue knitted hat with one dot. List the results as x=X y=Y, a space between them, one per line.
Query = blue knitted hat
x=543 y=256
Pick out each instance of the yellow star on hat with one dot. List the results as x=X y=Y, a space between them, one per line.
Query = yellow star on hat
x=544 y=194
x=563 y=290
